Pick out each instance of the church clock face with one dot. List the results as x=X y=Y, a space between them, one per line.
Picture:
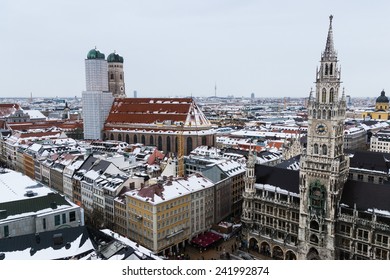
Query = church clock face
x=321 y=129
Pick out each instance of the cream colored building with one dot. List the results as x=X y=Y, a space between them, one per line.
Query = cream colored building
x=380 y=141
x=163 y=216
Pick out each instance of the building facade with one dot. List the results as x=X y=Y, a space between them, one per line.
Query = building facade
x=318 y=212
x=380 y=141
x=381 y=111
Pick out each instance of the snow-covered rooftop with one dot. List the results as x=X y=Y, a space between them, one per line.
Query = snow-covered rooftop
x=14 y=186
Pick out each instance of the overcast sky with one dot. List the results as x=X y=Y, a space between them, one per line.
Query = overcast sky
x=179 y=48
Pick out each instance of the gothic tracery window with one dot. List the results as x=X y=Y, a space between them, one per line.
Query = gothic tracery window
x=324 y=150
x=331 y=95
x=315 y=148
x=323 y=95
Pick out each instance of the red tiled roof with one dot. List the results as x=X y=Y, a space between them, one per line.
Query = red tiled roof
x=39 y=134
x=47 y=124
x=149 y=110
x=149 y=192
x=276 y=144
x=6 y=109
x=290 y=131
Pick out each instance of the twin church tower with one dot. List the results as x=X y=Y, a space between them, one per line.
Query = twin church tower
x=105 y=75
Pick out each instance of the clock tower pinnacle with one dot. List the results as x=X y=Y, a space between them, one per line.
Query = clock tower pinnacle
x=323 y=165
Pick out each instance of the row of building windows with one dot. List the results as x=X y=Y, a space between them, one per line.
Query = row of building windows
x=364 y=235
x=63 y=217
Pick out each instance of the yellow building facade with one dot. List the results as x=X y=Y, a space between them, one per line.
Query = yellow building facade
x=157 y=220
x=381 y=111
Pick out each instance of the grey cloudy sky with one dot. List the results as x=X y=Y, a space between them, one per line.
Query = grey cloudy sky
x=179 y=48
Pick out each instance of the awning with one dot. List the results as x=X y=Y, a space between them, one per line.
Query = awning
x=206 y=239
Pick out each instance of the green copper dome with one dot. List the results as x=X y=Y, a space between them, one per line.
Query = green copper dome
x=114 y=57
x=383 y=98
x=95 y=54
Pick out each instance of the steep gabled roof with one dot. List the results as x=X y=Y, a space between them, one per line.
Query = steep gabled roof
x=130 y=111
x=373 y=161
x=92 y=163
x=283 y=178
x=366 y=195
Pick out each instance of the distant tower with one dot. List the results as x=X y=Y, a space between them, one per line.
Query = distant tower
x=349 y=101
x=252 y=95
x=215 y=90
x=135 y=94
x=97 y=100
x=116 y=79
x=66 y=112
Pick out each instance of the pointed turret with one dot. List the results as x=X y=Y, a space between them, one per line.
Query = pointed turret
x=329 y=52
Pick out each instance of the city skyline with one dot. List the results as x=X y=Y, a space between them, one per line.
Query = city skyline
x=182 y=49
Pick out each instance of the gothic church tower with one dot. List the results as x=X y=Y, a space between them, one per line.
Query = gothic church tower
x=323 y=165
x=116 y=76
x=249 y=193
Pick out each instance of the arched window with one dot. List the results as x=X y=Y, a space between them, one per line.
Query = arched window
x=314 y=114
x=135 y=139
x=319 y=114
x=323 y=95
x=112 y=76
x=143 y=141
x=331 y=95
x=120 y=76
x=326 y=69
x=314 y=225
x=151 y=140
x=105 y=136
x=168 y=144
x=331 y=69
x=317 y=195
x=324 y=150
x=329 y=114
x=127 y=139
x=324 y=114
x=112 y=137
x=313 y=239
x=159 y=143
x=189 y=145
x=119 y=137
x=315 y=149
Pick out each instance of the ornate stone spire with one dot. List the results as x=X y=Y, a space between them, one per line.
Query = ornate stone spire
x=329 y=52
